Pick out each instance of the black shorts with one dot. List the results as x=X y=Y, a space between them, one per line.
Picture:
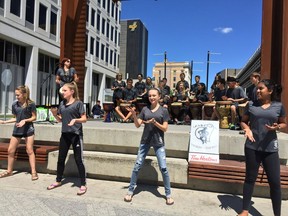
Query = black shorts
x=23 y=135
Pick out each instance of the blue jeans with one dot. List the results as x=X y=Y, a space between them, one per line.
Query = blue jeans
x=161 y=157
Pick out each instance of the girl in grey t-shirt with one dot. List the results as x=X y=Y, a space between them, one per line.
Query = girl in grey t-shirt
x=260 y=122
x=155 y=119
x=24 y=111
x=72 y=114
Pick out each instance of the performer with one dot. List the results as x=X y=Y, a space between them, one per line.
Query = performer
x=65 y=74
x=24 y=112
x=72 y=114
x=260 y=122
x=117 y=87
x=155 y=118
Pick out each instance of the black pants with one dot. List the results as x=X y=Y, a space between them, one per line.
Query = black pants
x=77 y=143
x=271 y=165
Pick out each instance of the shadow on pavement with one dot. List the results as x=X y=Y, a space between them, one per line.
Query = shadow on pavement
x=229 y=202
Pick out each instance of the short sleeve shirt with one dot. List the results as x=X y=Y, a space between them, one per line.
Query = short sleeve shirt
x=129 y=94
x=118 y=92
x=66 y=77
x=139 y=87
x=69 y=112
x=218 y=94
x=151 y=134
x=265 y=140
x=23 y=113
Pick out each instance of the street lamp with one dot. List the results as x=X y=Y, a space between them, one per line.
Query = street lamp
x=192 y=70
x=208 y=63
x=165 y=61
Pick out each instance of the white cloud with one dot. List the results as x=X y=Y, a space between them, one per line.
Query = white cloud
x=225 y=30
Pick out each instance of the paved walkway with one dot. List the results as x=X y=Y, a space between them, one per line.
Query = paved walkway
x=20 y=196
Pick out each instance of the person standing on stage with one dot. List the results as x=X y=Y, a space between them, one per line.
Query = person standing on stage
x=117 y=87
x=260 y=122
x=65 y=74
x=24 y=111
x=71 y=113
x=155 y=118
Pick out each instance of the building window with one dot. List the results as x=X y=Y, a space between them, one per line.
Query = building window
x=115 y=41
x=53 y=23
x=42 y=16
x=92 y=45
x=115 y=59
x=93 y=12
x=2 y=4
x=112 y=10
x=103 y=26
x=112 y=33
x=108 y=6
x=107 y=29
x=99 y=2
x=102 y=51
x=1 y=50
x=116 y=14
x=87 y=13
x=107 y=54
x=30 y=11
x=15 y=7
x=12 y=53
x=97 y=48
x=86 y=47
x=174 y=79
x=111 y=57
x=104 y=4
x=98 y=22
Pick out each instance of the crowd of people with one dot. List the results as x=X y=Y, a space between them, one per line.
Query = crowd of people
x=185 y=102
x=263 y=115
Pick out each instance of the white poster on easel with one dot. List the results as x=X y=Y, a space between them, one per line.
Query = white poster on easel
x=204 y=141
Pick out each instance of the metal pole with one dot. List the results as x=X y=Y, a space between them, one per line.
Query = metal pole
x=191 y=68
x=207 y=74
x=165 y=59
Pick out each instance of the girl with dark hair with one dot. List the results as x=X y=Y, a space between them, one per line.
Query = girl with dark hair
x=261 y=120
x=71 y=113
x=65 y=74
x=155 y=118
x=117 y=87
x=24 y=111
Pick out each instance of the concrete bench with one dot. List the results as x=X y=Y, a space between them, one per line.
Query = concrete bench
x=231 y=171
x=41 y=152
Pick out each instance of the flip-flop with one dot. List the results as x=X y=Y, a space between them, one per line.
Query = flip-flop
x=53 y=186
x=5 y=174
x=128 y=198
x=169 y=201
x=82 y=190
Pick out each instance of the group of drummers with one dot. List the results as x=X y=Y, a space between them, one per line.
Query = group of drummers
x=226 y=101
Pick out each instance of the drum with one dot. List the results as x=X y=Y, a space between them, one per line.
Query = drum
x=123 y=107
x=176 y=108
x=108 y=107
x=241 y=108
x=208 y=109
x=196 y=111
x=223 y=108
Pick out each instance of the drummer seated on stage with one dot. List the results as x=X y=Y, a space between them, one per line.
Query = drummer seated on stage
x=179 y=109
x=129 y=97
x=237 y=95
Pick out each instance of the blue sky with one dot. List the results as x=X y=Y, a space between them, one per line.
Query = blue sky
x=187 y=29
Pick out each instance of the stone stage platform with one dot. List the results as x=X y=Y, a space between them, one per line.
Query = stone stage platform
x=110 y=151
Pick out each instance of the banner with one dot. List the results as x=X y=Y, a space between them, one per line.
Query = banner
x=204 y=141
x=42 y=114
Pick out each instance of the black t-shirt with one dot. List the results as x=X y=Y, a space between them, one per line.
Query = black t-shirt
x=152 y=135
x=117 y=94
x=265 y=140
x=139 y=87
x=69 y=112
x=23 y=113
x=129 y=94
x=66 y=77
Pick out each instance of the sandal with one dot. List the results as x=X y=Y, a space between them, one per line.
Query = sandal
x=169 y=201
x=34 y=176
x=128 y=198
x=5 y=174
x=82 y=190
x=54 y=185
